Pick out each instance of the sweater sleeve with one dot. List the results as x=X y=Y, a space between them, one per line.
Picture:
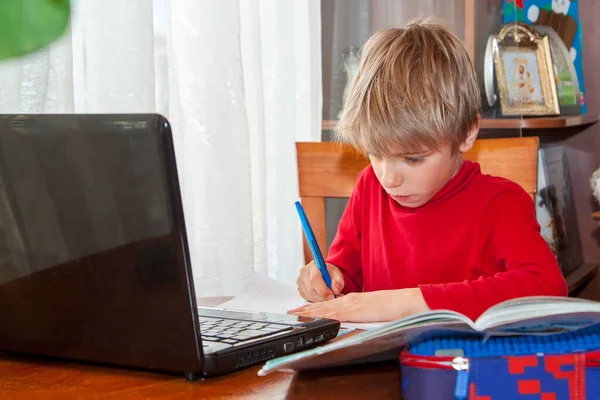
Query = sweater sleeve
x=530 y=266
x=345 y=250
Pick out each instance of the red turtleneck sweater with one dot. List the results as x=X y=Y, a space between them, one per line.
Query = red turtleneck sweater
x=475 y=244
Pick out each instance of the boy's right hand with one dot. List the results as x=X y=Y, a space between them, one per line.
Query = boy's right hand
x=312 y=287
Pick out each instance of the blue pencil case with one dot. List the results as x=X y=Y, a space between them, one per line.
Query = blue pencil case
x=549 y=367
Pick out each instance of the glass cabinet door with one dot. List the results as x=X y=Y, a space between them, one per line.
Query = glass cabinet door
x=347 y=24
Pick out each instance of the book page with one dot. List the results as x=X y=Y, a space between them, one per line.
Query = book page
x=262 y=293
x=539 y=315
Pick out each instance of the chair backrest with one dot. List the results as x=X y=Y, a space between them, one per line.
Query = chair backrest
x=327 y=169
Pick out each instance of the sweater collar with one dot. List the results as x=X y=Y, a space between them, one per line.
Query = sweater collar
x=468 y=170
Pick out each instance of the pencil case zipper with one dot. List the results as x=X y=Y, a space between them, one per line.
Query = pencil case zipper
x=462 y=366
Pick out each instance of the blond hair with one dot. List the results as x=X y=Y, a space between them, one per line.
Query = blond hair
x=415 y=90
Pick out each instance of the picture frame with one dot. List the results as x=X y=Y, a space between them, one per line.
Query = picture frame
x=524 y=72
x=488 y=73
x=567 y=82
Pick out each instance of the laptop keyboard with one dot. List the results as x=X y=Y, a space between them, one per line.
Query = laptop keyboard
x=232 y=331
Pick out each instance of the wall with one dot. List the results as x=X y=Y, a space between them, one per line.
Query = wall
x=583 y=149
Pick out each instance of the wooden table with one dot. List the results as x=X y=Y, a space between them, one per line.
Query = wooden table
x=30 y=378
x=23 y=379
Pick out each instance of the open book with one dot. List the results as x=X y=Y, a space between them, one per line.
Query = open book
x=538 y=315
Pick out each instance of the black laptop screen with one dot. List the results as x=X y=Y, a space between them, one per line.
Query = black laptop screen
x=93 y=255
x=70 y=191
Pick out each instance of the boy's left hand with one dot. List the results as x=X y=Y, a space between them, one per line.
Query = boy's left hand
x=378 y=306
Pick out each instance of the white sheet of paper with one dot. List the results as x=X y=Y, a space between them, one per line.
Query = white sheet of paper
x=262 y=293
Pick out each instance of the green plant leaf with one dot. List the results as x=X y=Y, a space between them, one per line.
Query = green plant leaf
x=28 y=25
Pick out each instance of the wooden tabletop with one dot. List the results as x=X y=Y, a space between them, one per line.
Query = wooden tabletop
x=27 y=379
x=31 y=378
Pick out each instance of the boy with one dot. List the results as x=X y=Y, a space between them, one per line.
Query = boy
x=424 y=229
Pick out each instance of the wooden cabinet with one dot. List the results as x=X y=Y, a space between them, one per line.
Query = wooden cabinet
x=348 y=23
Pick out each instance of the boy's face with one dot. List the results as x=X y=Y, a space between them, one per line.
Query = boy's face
x=413 y=179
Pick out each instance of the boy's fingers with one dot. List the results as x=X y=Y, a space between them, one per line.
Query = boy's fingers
x=305 y=287
x=302 y=290
x=315 y=296
x=310 y=293
x=303 y=282
x=318 y=284
x=337 y=280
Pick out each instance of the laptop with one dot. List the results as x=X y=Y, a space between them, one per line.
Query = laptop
x=94 y=260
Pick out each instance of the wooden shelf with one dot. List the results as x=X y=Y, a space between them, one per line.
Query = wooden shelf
x=578 y=279
x=518 y=123
x=538 y=123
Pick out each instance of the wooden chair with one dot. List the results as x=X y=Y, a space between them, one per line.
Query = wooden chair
x=328 y=169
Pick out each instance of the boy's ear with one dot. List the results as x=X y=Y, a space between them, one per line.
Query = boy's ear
x=471 y=136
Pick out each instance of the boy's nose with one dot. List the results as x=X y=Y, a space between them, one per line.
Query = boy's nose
x=391 y=178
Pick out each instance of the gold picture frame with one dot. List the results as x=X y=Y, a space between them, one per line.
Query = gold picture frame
x=524 y=72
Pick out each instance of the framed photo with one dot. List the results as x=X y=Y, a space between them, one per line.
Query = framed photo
x=524 y=72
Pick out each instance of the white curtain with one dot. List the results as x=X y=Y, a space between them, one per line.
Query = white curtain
x=240 y=82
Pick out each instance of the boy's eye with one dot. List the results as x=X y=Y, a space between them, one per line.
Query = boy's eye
x=414 y=160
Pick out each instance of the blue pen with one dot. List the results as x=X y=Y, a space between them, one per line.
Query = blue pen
x=314 y=246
